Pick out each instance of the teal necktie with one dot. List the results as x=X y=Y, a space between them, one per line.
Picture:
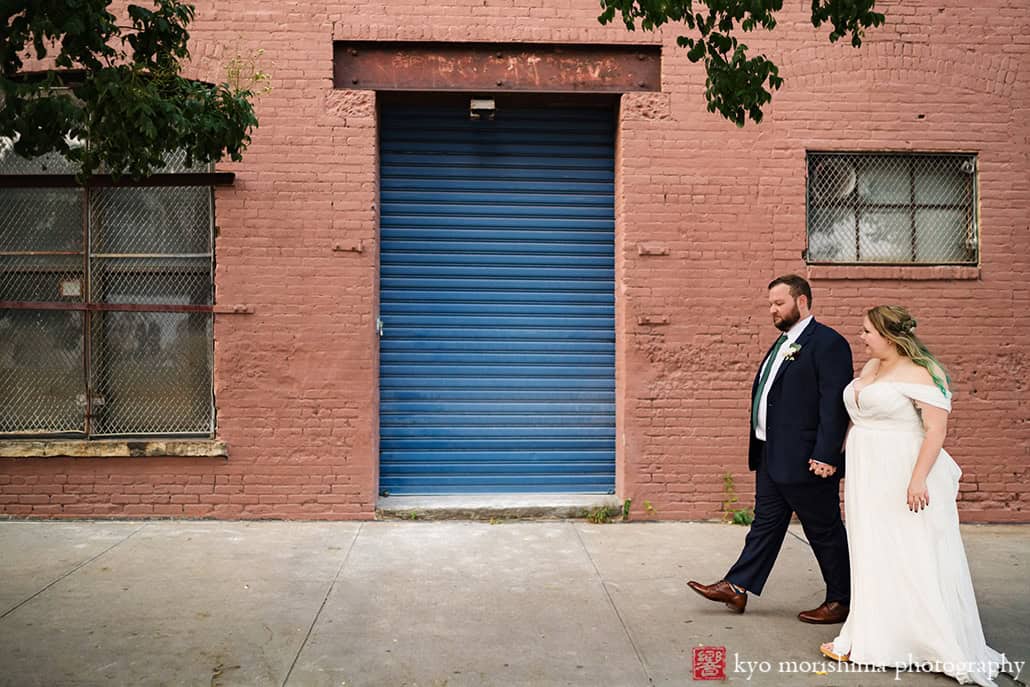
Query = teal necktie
x=763 y=379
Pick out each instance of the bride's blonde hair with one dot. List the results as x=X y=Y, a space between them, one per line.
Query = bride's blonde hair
x=897 y=325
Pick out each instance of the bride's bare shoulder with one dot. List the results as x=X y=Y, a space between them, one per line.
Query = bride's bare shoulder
x=917 y=374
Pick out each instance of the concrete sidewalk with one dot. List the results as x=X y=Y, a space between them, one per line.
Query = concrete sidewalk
x=429 y=604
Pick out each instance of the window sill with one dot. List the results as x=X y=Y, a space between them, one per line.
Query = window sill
x=896 y=272
x=64 y=448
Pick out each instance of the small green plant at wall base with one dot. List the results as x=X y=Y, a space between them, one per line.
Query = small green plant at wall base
x=600 y=516
x=625 y=508
x=649 y=509
x=730 y=513
x=743 y=517
x=729 y=496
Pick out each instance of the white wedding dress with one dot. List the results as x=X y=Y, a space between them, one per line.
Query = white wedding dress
x=912 y=600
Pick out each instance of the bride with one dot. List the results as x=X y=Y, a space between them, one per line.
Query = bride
x=912 y=601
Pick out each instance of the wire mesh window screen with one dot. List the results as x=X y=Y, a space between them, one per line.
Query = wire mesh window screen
x=92 y=340
x=55 y=163
x=41 y=251
x=51 y=163
x=151 y=245
x=151 y=373
x=892 y=208
x=42 y=381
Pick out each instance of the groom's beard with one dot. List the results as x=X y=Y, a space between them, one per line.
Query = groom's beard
x=789 y=320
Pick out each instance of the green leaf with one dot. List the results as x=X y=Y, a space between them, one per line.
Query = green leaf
x=133 y=108
x=737 y=85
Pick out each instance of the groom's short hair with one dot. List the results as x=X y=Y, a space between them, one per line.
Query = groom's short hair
x=798 y=286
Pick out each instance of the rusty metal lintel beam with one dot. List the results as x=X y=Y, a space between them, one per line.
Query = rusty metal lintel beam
x=106 y=180
x=496 y=67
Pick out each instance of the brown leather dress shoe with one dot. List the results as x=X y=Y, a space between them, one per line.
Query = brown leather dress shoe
x=829 y=613
x=721 y=591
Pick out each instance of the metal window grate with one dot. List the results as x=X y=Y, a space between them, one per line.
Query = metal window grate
x=892 y=208
x=42 y=386
x=151 y=245
x=51 y=163
x=55 y=163
x=151 y=373
x=41 y=254
x=105 y=324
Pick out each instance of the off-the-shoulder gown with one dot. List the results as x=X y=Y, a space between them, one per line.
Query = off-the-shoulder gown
x=912 y=599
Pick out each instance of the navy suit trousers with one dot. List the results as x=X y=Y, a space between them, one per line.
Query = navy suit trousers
x=818 y=508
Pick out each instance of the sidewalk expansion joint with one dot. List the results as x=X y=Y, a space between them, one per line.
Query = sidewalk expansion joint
x=611 y=602
x=800 y=539
x=321 y=607
x=78 y=567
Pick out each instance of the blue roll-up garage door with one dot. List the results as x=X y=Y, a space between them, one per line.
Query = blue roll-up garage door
x=497 y=356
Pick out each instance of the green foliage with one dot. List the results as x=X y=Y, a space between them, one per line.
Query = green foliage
x=600 y=516
x=603 y=515
x=738 y=85
x=649 y=509
x=116 y=87
x=730 y=513
x=743 y=517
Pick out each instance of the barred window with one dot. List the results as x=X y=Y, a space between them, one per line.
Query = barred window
x=892 y=208
x=106 y=302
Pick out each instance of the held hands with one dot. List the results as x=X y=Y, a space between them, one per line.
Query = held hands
x=821 y=469
x=918 y=496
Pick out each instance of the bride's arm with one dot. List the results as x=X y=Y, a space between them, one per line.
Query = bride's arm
x=935 y=422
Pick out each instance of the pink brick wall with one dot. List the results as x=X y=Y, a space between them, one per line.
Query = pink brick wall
x=296 y=380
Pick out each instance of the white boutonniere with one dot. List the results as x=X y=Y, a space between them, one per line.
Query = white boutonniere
x=790 y=351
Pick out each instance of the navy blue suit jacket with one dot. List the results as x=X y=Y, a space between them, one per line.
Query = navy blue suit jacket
x=805 y=415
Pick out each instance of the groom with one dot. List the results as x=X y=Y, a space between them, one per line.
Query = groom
x=798 y=421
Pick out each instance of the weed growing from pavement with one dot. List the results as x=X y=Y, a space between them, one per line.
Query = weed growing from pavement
x=730 y=513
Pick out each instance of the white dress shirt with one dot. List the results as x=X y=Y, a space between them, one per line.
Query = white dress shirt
x=792 y=335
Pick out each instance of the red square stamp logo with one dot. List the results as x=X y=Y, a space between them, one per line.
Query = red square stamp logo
x=709 y=663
